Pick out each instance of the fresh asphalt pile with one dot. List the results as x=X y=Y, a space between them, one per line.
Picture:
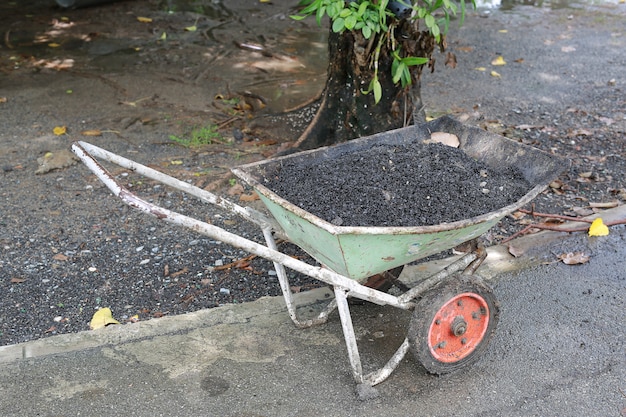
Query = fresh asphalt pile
x=67 y=247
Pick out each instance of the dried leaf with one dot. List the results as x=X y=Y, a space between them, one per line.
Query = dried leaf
x=236 y=189
x=598 y=228
x=450 y=60
x=182 y=271
x=176 y=162
x=248 y=197
x=144 y=19
x=444 y=138
x=101 y=318
x=17 y=280
x=91 y=133
x=576 y=258
x=516 y=251
x=610 y=204
x=60 y=257
x=498 y=61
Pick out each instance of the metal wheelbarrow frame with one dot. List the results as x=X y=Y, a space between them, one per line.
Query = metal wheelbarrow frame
x=344 y=286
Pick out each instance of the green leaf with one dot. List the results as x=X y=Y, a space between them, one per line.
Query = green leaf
x=397 y=74
x=367 y=32
x=338 y=25
x=429 y=20
x=378 y=91
x=362 y=8
x=410 y=61
x=435 y=31
x=406 y=77
x=311 y=7
x=345 y=13
x=297 y=17
x=319 y=15
x=350 y=22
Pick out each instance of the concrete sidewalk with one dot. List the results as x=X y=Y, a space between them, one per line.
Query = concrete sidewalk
x=559 y=351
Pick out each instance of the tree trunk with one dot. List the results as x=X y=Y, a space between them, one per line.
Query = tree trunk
x=345 y=112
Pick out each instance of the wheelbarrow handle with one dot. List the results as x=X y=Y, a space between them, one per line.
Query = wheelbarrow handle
x=82 y=149
x=86 y=152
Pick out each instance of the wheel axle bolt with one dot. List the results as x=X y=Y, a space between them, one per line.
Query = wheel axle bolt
x=437 y=322
x=459 y=303
x=463 y=341
x=442 y=345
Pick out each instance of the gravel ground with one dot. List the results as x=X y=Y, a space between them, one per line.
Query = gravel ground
x=68 y=248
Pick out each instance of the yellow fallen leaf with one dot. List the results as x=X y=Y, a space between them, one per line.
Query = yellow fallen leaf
x=498 y=61
x=3 y=99
x=480 y=69
x=59 y=130
x=598 y=228
x=91 y=133
x=503 y=31
x=101 y=318
x=191 y=28
x=495 y=74
x=54 y=45
x=176 y=162
x=163 y=36
x=144 y=19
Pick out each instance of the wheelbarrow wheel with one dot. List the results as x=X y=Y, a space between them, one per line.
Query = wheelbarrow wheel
x=452 y=325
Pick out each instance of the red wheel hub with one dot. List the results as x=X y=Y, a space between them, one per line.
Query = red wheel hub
x=458 y=327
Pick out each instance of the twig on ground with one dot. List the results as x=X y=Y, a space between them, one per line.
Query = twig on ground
x=543 y=226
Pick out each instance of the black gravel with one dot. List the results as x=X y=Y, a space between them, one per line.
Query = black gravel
x=401 y=185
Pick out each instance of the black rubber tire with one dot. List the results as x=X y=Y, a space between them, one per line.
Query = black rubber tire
x=426 y=313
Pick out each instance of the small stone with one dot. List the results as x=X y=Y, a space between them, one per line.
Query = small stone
x=224 y=291
x=145 y=261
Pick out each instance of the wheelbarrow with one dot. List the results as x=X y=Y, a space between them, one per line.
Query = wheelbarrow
x=454 y=313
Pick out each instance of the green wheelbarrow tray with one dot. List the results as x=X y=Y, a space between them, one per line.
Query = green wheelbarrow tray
x=360 y=252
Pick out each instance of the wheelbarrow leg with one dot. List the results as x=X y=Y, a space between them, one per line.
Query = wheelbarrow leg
x=288 y=295
x=348 y=333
